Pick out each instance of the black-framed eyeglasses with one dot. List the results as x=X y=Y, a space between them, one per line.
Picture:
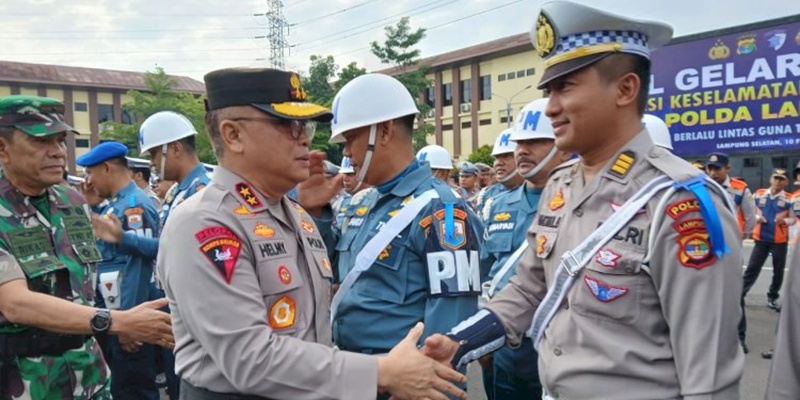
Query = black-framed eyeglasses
x=297 y=126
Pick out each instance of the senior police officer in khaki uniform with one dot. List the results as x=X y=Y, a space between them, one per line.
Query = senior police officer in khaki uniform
x=246 y=270
x=647 y=307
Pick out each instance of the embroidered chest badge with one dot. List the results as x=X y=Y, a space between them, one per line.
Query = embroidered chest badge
x=607 y=258
x=263 y=231
x=557 y=201
x=221 y=246
x=603 y=291
x=540 y=242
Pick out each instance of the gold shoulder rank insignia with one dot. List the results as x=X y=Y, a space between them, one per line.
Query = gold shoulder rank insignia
x=623 y=164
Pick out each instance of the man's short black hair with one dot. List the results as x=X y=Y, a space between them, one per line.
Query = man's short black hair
x=616 y=65
x=188 y=143
x=144 y=171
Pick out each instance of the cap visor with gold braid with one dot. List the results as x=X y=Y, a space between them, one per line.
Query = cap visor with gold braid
x=570 y=36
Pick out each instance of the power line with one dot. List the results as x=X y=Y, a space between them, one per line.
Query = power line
x=346 y=9
x=92 y=37
x=360 y=49
x=130 y=52
x=119 y=15
x=436 y=4
x=161 y=30
x=296 y=3
x=474 y=15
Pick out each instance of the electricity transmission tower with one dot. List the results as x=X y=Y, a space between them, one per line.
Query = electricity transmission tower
x=276 y=37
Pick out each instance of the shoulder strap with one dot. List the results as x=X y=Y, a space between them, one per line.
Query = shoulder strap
x=572 y=262
x=511 y=262
x=367 y=256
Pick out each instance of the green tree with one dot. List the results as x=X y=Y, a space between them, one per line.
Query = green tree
x=482 y=154
x=321 y=83
x=347 y=74
x=161 y=95
x=318 y=82
x=399 y=52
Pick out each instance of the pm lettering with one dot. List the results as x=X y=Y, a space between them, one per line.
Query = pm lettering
x=272 y=249
x=454 y=273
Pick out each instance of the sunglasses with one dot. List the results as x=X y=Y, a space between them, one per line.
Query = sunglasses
x=297 y=126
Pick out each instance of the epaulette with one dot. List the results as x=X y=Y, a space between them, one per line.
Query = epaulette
x=738 y=184
x=671 y=165
x=446 y=194
x=565 y=164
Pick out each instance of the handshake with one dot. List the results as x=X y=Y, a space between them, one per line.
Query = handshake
x=411 y=373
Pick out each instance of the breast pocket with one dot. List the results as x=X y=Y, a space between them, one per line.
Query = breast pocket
x=387 y=278
x=610 y=287
x=280 y=280
x=498 y=240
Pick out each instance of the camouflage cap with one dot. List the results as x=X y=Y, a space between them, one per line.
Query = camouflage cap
x=33 y=115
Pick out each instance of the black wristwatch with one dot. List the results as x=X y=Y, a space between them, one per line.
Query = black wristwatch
x=101 y=321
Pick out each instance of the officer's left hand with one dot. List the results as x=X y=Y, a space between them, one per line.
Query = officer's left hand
x=317 y=191
x=781 y=221
x=407 y=374
x=129 y=345
x=108 y=228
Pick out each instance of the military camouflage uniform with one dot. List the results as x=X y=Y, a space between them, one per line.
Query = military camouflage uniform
x=27 y=251
x=48 y=240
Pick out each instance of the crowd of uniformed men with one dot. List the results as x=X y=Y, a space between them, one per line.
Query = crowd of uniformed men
x=588 y=262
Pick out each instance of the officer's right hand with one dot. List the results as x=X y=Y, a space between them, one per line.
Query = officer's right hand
x=440 y=348
x=144 y=323
x=408 y=374
x=317 y=191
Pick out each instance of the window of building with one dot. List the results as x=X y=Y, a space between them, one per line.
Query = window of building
x=430 y=96
x=504 y=120
x=510 y=76
x=105 y=112
x=501 y=77
x=447 y=90
x=466 y=124
x=520 y=74
x=485 y=122
x=486 y=87
x=447 y=127
x=81 y=107
x=82 y=143
x=530 y=71
x=466 y=91
x=752 y=162
x=780 y=162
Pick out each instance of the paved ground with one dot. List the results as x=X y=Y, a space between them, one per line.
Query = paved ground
x=761 y=333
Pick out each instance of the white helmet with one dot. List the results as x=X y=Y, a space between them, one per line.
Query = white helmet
x=367 y=100
x=347 y=168
x=503 y=144
x=163 y=127
x=658 y=131
x=437 y=156
x=532 y=123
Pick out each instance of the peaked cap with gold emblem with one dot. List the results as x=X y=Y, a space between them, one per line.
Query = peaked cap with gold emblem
x=569 y=36
x=275 y=92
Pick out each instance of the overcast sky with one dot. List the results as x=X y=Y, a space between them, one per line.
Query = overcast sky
x=192 y=37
